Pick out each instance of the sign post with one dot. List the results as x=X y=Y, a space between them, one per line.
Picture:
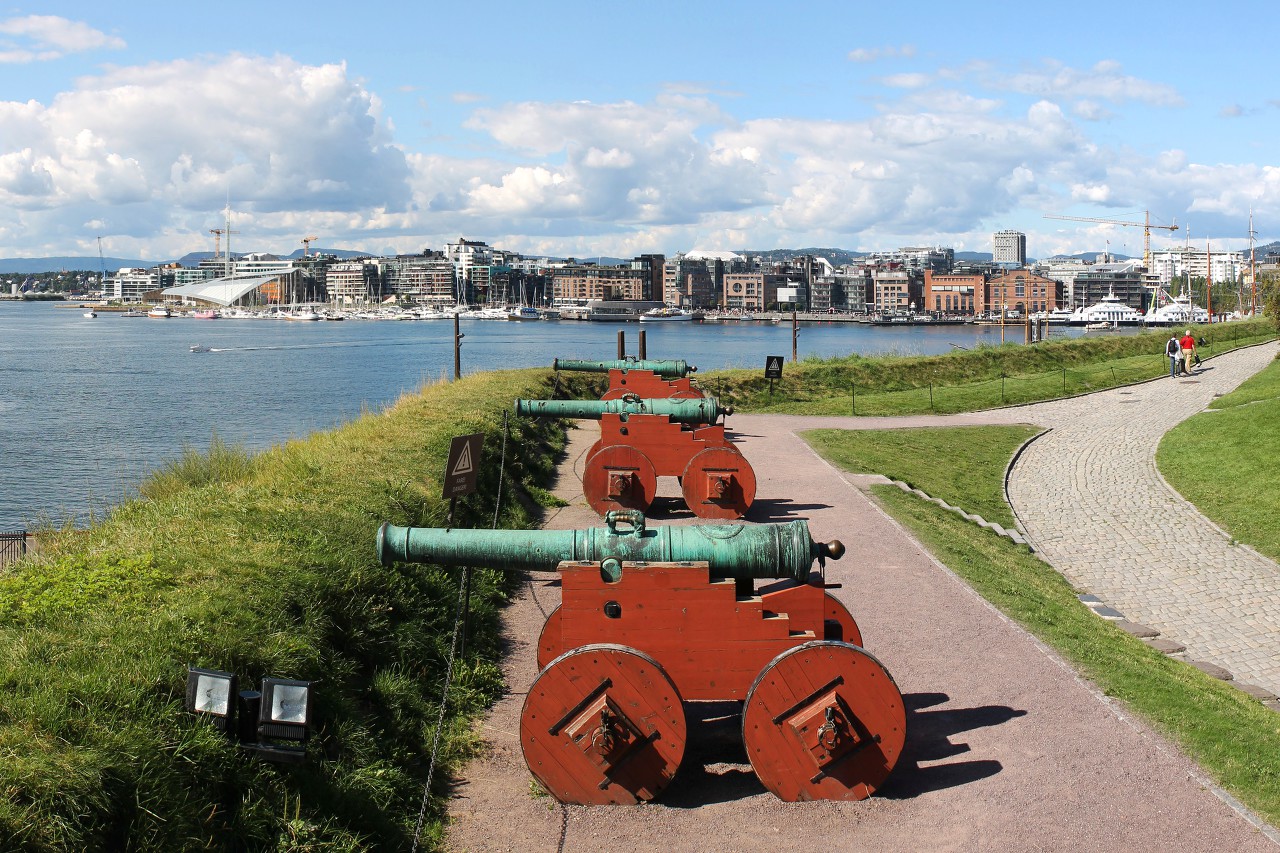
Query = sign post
x=461 y=477
x=772 y=370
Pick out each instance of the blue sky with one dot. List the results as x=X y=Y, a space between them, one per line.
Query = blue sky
x=575 y=128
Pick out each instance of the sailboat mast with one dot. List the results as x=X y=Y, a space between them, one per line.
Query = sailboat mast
x=1253 y=270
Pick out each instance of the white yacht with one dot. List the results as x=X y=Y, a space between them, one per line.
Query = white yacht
x=668 y=314
x=1112 y=311
x=161 y=312
x=1178 y=311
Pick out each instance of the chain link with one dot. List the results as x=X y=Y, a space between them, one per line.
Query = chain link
x=453 y=647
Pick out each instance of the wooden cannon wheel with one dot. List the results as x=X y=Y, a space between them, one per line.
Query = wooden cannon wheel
x=824 y=721
x=836 y=612
x=619 y=477
x=719 y=482
x=550 y=646
x=603 y=724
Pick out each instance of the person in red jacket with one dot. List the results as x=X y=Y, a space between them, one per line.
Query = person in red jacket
x=1188 y=344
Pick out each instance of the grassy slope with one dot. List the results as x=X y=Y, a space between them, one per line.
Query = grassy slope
x=256 y=565
x=984 y=378
x=1227 y=461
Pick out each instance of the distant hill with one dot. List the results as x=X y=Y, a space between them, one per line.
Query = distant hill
x=29 y=266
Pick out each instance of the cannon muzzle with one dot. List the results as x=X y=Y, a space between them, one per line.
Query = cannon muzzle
x=703 y=410
x=667 y=369
x=732 y=550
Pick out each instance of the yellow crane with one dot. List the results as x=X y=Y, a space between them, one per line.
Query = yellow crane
x=1145 y=225
x=306 y=244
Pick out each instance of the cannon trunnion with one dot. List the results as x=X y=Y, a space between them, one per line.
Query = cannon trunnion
x=650 y=619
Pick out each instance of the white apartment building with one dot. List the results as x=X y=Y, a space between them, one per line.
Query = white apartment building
x=131 y=284
x=1009 y=247
x=1218 y=266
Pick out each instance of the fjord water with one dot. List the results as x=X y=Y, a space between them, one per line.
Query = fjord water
x=88 y=406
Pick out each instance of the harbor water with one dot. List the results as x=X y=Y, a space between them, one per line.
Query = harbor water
x=89 y=405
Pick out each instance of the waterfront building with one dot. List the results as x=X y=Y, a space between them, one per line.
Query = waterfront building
x=426 y=278
x=751 y=291
x=577 y=283
x=848 y=288
x=1023 y=292
x=132 y=284
x=1009 y=247
x=687 y=282
x=896 y=291
x=353 y=282
x=955 y=293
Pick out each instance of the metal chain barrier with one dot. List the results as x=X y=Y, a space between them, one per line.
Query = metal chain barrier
x=458 y=621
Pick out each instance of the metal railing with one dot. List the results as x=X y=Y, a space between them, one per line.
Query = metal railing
x=13 y=545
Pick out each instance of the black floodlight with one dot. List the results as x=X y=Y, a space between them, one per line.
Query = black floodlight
x=213 y=694
x=286 y=709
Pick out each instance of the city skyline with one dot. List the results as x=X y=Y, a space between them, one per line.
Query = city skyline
x=670 y=128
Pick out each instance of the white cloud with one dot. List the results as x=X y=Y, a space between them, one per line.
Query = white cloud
x=45 y=37
x=177 y=138
x=873 y=54
x=148 y=155
x=1105 y=81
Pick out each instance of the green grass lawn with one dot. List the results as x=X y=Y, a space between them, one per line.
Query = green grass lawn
x=1232 y=736
x=1226 y=461
x=914 y=456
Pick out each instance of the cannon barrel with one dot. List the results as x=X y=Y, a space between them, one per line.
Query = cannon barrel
x=665 y=368
x=732 y=550
x=704 y=410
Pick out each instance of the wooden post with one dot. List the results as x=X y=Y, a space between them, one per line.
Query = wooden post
x=795 y=332
x=642 y=351
x=457 y=350
x=622 y=345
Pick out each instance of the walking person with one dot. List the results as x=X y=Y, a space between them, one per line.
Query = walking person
x=1188 y=345
x=1173 y=349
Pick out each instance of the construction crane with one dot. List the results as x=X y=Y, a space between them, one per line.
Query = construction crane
x=1145 y=225
x=306 y=244
x=217 y=238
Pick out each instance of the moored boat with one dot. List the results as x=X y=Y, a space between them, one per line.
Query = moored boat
x=160 y=312
x=1111 y=311
x=666 y=314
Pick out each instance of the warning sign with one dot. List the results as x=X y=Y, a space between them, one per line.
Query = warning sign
x=773 y=367
x=463 y=468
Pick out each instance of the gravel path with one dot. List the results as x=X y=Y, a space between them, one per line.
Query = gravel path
x=1007 y=748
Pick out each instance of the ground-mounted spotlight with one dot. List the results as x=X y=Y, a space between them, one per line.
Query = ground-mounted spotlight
x=284 y=715
x=213 y=694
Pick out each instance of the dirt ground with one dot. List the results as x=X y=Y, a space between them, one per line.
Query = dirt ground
x=1007 y=748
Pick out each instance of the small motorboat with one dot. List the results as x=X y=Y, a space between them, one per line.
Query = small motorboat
x=91 y=314
x=200 y=348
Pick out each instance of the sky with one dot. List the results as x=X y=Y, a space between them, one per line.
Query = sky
x=579 y=129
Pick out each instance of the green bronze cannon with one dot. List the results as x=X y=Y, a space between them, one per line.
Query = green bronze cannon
x=704 y=410
x=668 y=369
x=730 y=550
x=651 y=380
x=652 y=618
x=642 y=440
